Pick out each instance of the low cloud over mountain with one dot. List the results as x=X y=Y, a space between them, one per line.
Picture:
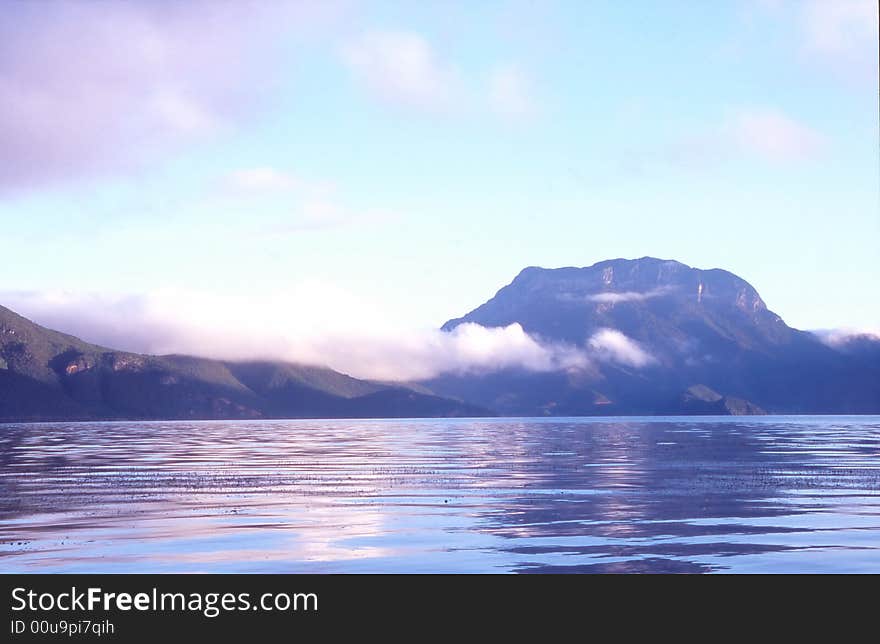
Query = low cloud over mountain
x=311 y=324
x=621 y=336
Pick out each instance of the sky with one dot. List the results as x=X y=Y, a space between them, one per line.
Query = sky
x=333 y=180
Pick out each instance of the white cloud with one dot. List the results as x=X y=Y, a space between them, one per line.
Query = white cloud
x=510 y=93
x=774 y=135
x=472 y=346
x=627 y=296
x=402 y=67
x=611 y=345
x=312 y=322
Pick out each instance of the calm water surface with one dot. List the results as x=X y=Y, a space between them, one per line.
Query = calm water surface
x=771 y=494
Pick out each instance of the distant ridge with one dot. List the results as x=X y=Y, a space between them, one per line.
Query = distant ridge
x=47 y=375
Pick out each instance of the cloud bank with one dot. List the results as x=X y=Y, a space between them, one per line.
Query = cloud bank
x=312 y=323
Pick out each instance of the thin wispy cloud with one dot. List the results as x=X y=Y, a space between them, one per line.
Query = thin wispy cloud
x=511 y=94
x=836 y=36
x=262 y=179
x=405 y=69
x=303 y=204
x=402 y=67
x=773 y=135
x=839 y=28
x=763 y=133
x=626 y=296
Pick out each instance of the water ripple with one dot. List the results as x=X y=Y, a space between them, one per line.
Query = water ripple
x=790 y=494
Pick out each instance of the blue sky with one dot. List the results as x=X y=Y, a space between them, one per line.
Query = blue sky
x=393 y=164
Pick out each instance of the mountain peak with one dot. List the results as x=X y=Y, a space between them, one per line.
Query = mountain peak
x=643 y=263
x=684 y=325
x=620 y=280
x=643 y=298
x=646 y=260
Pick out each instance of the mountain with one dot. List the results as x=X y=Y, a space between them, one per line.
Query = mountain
x=655 y=332
x=47 y=375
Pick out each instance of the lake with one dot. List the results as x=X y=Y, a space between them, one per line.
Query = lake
x=697 y=494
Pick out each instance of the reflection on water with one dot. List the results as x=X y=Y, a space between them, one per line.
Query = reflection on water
x=787 y=494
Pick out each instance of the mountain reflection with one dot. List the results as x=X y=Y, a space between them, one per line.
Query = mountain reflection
x=524 y=495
